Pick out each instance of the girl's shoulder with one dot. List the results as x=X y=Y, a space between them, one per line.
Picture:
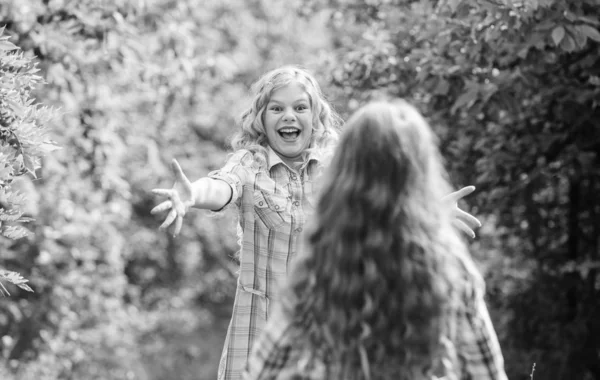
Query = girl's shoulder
x=248 y=158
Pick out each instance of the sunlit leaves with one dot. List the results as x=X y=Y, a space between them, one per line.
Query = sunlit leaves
x=558 y=34
x=15 y=279
x=22 y=124
x=6 y=45
x=590 y=32
x=468 y=98
x=22 y=131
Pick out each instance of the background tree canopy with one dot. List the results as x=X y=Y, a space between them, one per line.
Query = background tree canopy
x=512 y=88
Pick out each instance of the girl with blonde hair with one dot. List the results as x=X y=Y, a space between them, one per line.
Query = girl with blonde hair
x=385 y=288
x=286 y=138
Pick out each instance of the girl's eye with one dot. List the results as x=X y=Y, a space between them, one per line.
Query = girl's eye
x=275 y=108
x=302 y=107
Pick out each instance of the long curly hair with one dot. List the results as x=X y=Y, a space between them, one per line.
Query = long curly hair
x=383 y=267
x=326 y=122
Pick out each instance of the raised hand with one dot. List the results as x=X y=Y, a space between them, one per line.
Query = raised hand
x=463 y=220
x=181 y=199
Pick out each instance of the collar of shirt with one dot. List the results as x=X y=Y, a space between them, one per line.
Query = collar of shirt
x=274 y=159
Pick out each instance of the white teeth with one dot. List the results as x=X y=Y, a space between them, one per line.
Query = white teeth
x=289 y=130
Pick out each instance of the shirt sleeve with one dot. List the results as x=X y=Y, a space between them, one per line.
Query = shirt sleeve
x=270 y=355
x=237 y=172
x=478 y=347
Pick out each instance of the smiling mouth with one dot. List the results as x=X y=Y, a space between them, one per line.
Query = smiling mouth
x=289 y=133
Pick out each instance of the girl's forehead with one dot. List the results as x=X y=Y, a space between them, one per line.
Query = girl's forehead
x=293 y=90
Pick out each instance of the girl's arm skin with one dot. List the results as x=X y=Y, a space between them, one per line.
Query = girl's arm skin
x=205 y=193
x=463 y=220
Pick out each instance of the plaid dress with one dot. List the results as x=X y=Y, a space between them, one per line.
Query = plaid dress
x=273 y=202
x=277 y=357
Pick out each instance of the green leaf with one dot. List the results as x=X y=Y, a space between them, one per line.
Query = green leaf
x=3 y=291
x=465 y=100
x=14 y=232
x=16 y=107
x=579 y=36
x=453 y=4
x=442 y=87
x=569 y=15
x=11 y=197
x=523 y=52
x=558 y=34
x=568 y=44
x=9 y=216
x=6 y=45
x=29 y=164
x=15 y=279
x=590 y=32
x=25 y=287
x=50 y=146
x=589 y=20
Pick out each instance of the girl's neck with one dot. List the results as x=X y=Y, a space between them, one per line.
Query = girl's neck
x=294 y=164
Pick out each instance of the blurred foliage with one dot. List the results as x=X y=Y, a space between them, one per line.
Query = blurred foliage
x=137 y=83
x=513 y=89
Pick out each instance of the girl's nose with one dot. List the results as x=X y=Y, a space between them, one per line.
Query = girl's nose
x=289 y=116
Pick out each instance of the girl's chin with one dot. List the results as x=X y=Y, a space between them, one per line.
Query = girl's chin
x=289 y=155
x=291 y=150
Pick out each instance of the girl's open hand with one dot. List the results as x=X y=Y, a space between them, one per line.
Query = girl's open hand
x=180 y=199
x=463 y=220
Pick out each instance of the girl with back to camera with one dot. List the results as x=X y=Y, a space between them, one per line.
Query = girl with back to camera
x=286 y=138
x=385 y=288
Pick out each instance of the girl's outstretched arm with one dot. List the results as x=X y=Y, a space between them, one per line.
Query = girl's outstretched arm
x=205 y=193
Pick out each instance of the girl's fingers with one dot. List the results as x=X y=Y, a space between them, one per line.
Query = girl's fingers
x=177 y=209
x=455 y=196
x=464 y=228
x=178 y=223
x=163 y=192
x=170 y=218
x=181 y=177
x=162 y=207
x=469 y=219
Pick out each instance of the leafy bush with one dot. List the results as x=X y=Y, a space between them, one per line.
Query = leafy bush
x=23 y=141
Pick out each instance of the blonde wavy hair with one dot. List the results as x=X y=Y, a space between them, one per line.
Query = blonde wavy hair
x=384 y=269
x=326 y=122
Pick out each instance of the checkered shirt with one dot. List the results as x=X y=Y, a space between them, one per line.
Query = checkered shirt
x=273 y=202
x=276 y=357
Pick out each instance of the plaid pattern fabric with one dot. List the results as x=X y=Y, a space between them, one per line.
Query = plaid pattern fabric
x=477 y=345
x=273 y=203
x=276 y=357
